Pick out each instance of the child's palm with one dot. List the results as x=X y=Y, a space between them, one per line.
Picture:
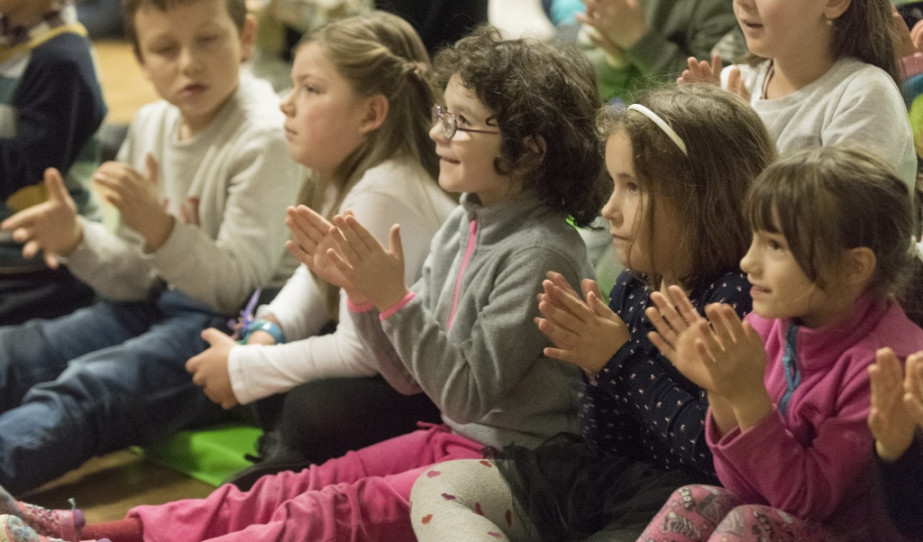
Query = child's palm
x=585 y=333
x=313 y=237
x=372 y=272
x=891 y=421
x=734 y=354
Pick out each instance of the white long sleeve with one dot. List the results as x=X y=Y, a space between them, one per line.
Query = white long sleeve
x=395 y=192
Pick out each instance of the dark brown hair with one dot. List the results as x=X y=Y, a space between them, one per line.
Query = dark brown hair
x=727 y=145
x=537 y=91
x=830 y=199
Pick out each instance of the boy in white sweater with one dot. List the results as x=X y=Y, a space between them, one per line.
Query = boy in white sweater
x=201 y=183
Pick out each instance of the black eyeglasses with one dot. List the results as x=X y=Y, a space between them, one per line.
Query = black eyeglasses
x=450 y=125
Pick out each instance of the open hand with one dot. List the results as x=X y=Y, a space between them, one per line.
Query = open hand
x=584 y=332
x=313 y=237
x=50 y=226
x=135 y=196
x=619 y=22
x=701 y=71
x=372 y=272
x=895 y=409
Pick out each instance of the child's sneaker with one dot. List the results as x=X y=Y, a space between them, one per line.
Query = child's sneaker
x=63 y=524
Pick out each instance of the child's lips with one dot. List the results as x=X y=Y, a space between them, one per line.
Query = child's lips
x=194 y=89
x=756 y=291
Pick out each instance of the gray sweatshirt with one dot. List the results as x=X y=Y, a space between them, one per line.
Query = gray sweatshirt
x=466 y=336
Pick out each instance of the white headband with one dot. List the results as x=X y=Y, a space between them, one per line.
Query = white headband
x=662 y=124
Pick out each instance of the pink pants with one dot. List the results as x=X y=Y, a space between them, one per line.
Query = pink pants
x=698 y=513
x=363 y=495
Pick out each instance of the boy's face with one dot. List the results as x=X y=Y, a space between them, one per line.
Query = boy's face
x=192 y=55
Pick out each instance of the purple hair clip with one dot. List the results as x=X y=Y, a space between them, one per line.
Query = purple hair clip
x=246 y=315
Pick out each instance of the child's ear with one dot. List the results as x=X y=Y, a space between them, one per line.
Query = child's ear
x=859 y=266
x=833 y=9
x=376 y=111
x=537 y=147
x=248 y=38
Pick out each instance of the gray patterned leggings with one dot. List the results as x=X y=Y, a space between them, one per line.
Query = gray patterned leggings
x=699 y=513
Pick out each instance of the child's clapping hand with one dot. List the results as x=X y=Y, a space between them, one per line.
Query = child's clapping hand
x=722 y=355
x=135 y=196
x=702 y=71
x=896 y=409
x=585 y=333
x=50 y=227
x=372 y=272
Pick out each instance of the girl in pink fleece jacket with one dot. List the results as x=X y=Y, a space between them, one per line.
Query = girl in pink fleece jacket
x=788 y=387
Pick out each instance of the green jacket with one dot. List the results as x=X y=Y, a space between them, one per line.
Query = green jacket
x=677 y=29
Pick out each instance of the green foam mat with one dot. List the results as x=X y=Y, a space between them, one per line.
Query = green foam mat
x=210 y=455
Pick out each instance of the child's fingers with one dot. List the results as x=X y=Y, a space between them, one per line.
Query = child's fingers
x=708 y=340
x=561 y=318
x=369 y=243
x=665 y=331
x=559 y=337
x=686 y=310
x=665 y=347
x=395 y=246
x=590 y=286
x=913 y=380
x=915 y=407
x=561 y=282
x=716 y=63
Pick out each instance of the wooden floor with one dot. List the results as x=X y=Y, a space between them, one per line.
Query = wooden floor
x=105 y=488
x=125 y=87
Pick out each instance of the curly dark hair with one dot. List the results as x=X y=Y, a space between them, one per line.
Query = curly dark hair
x=540 y=93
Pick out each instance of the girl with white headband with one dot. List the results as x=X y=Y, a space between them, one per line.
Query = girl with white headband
x=681 y=161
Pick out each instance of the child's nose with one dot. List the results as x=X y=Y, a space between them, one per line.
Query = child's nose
x=189 y=60
x=286 y=105
x=610 y=210
x=437 y=132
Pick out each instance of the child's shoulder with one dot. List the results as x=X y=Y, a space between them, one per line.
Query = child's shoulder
x=857 y=76
x=897 y=331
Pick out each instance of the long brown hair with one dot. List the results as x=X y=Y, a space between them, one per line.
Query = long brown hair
x=377 y=53
x=727 y=145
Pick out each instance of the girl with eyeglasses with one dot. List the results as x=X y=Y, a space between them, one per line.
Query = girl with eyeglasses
x=462 y=333
x=681 y=160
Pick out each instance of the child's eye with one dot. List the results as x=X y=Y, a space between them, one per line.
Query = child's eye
x=310 y=89
x=632 y=186
x=207 y=39
x=461 y=119
x=164 y=50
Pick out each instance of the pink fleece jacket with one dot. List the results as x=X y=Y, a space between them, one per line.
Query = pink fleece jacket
x=815 y=460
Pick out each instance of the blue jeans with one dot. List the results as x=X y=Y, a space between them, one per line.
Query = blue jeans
x=96 y=381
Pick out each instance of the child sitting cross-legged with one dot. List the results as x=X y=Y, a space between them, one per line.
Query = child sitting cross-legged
x=788 y=388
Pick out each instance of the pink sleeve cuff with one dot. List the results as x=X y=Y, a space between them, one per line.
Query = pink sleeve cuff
x=397 y=306
x=364 y=307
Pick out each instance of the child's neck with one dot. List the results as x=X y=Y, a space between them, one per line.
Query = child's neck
x=791 y=75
